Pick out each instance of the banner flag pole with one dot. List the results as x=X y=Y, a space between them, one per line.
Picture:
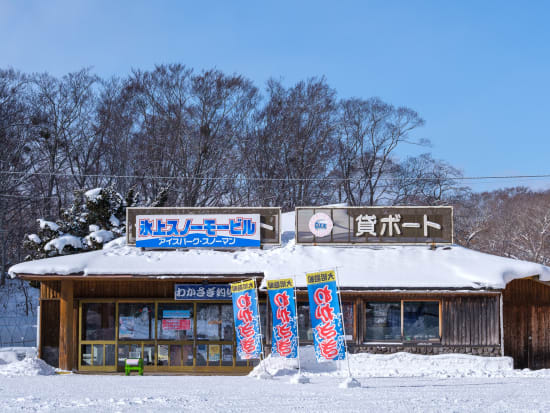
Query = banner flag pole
x=351 y=381
x=260 y=324
x=297 y=329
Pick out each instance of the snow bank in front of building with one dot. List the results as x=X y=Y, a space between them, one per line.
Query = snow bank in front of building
x=364 y=365
x=23 y=361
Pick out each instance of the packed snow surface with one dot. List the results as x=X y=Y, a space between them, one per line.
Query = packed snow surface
x=496 y=388
x=361 y=267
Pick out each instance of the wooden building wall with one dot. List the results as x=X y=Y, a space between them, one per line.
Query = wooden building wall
x=527 y=323
x=471 y=321
x=468 y=321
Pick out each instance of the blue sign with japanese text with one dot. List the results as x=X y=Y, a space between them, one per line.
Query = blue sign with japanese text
x=198 y=231
x=326 y=316
x=247 y=319
x=202 y=292
x=284 y=340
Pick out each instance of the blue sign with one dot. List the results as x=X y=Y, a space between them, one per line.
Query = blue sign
x=198 y=231
x=247 y=319
x=202 y=292
x=284 y=341
x=326 y=316
x=176 y=314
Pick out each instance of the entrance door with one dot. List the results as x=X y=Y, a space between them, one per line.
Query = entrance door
x=539 y=337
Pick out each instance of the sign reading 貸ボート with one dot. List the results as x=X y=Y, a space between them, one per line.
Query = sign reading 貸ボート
x=374 y=225
x=284 y=341
x=326 y=316
x=198 y=231
x=202 y=292
x=247 y=319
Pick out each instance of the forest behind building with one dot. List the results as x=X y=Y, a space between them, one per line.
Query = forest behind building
x=175 y=136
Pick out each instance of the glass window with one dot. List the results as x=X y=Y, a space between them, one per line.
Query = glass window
x=227 y=322
x=420 y=320
x=136 y=321
x=188 y=354
x=208 y=322
x=304 y=323
x=86 y=354
x=148 y=354
x=98 y=355
x=201 y=354
x=162 y=358
x=98 y=321
x=175 y=355
x=109 y=354
x=305 y=333
x=214 y=355
x=175 y=321
x=383 y=321
x=348 y=320
x=227 y=355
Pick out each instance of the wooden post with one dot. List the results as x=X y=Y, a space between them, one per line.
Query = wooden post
x=66 y=344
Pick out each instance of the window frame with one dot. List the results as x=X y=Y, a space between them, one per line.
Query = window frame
x=155 y=341
x=402 y=324
x=351 y=334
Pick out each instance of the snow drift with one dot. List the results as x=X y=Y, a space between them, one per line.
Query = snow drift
x=365 y=365
x=23 y=361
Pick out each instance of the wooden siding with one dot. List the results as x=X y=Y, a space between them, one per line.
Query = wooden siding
x=153 y=288
x=50 y=290
x=527 y=323
x=470 y=321
x=466 y=320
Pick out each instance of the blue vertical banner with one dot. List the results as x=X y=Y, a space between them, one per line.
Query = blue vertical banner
x=284 y=340
x=247 y=319
x=326 y=316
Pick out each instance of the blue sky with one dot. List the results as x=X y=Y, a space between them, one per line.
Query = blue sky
x=477 y=72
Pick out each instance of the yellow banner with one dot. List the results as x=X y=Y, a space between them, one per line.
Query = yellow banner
x=277 y=284
x=242 y=286
x=320 y=277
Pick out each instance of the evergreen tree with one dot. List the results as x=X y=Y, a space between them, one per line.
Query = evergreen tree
x=96 y=217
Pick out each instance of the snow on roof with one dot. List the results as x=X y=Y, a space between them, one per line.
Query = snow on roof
x=361 y=267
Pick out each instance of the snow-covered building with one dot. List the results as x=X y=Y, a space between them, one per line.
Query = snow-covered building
x=173 y=309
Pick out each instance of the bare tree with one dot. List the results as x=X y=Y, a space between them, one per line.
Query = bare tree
x=370 y=131
x=423 y=180
x=289 y=153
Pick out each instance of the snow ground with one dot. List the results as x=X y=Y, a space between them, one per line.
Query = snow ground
x=457 y=383
x=233 y=394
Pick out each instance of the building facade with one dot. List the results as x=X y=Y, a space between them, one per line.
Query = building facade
x=419 y=294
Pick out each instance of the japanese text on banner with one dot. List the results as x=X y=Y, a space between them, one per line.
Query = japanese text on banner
x=247 y=319
x=284 y=341
x=326 y=317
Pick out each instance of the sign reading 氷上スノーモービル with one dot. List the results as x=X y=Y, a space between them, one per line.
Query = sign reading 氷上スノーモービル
x=374 y=225
x=198 y=231
x=217 y=228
